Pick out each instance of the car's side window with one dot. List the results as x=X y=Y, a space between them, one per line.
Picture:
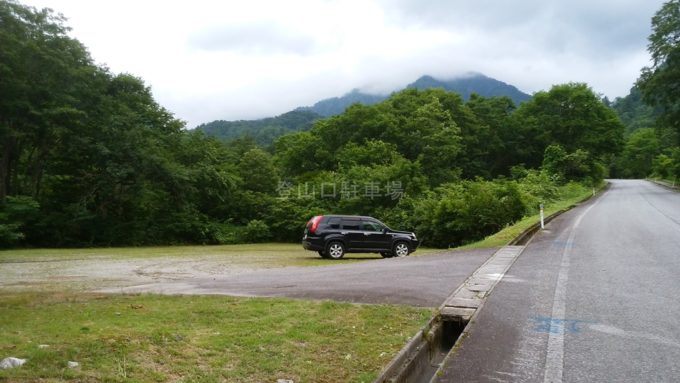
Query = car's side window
x=351 y=224
x=371 y=226
x=334 y=223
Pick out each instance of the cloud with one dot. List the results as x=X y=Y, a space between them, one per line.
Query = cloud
x=262 y=37
x=603 y=26
x=232 y=60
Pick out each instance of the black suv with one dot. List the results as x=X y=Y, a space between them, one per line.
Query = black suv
x=334 y=235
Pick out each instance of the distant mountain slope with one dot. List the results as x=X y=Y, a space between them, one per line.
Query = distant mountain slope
x=634 y=113
x=337 y=105
x=474 y=83
x=263 y=131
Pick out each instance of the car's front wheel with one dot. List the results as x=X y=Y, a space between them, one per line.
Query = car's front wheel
x=335 y=250
x=401 y=249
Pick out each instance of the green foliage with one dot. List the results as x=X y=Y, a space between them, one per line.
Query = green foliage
x=538 y=187
x=256 y=231
x=459 y=213
x=571 y=116
x=15 y=213
x=638 y=155
x=667 y=165
x=634 y=112
x=263 y=131
x=258 y=171
x=576 y=166
x=658 y=83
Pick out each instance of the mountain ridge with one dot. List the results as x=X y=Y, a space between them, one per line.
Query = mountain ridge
x=265 y=130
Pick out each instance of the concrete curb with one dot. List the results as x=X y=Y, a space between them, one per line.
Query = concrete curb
x=663 y=184
x=461 y=307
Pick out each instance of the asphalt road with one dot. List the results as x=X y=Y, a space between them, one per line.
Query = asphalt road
x=424 y=281
x=594 y=298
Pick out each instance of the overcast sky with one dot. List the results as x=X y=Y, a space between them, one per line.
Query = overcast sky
x=208 y=60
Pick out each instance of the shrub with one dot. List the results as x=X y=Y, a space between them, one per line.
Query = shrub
x=468 y=211
x=256 y=231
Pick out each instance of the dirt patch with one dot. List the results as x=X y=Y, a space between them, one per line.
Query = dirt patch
x=111 y=273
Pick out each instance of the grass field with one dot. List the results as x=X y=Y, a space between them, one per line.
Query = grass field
x=149 y=338
x=250 y=255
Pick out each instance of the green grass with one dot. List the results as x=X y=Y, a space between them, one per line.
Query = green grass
x=262 y=255
x=149 y=338
x=505 y=236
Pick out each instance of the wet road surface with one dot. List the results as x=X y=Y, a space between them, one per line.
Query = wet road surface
x=424 y=281
x=593 y=298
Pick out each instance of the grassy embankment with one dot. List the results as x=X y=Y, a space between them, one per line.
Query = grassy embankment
x=673 y=183
x=503 y=237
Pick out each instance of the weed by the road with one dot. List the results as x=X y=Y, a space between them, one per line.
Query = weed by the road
x=506 y=235
x=199 y=338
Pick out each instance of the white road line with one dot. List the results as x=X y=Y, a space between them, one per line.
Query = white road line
x=554 y=359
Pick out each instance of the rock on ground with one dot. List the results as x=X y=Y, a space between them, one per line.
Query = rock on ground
x=11 y=362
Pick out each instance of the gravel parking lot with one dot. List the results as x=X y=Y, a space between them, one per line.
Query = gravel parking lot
x=424 y=280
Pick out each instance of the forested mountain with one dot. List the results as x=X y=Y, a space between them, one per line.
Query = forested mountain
x=265 y=130
x=262 y=131
x=634 y=112
x=336 y=105
x=473 y=83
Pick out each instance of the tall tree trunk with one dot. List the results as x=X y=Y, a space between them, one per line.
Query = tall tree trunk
x=37 y=165
x=8 y=147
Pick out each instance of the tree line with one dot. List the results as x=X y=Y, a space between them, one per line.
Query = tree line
x=88 y=158
x=652 y=110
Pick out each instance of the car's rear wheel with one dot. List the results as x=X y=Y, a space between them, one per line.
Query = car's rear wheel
x=386 y=254
x=400 y=249
x=335 y=250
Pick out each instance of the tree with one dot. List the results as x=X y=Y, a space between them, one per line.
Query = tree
x=571 y=116
x=43 y=73
x=492 y=138
x=659 y=83
x=638 y=155
x=634 y=112
x=258 y=171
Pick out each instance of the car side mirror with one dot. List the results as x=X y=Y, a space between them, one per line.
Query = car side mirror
x=384 y=230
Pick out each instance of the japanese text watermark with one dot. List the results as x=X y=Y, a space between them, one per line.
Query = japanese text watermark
x=342 y=190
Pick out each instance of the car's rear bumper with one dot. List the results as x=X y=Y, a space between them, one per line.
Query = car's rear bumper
x=313 y=244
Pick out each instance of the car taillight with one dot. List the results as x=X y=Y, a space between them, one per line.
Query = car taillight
x=315 y=223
